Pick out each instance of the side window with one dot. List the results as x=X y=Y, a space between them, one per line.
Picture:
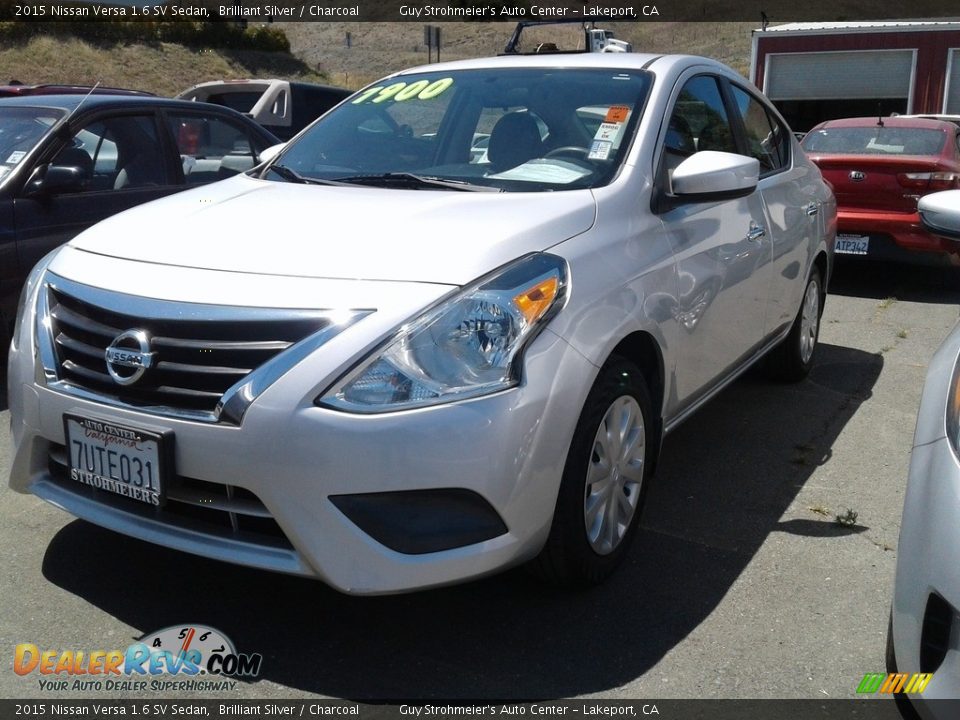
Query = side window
x=210 y=148
x=116 y=153
x=699 y=120
x=767 y=139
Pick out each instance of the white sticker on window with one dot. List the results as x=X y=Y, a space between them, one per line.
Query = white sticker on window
x=16 y=157
x=608 y=132
x=600 y=150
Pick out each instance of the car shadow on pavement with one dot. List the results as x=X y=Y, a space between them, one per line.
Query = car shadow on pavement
x=914 y=283
x=725 y=480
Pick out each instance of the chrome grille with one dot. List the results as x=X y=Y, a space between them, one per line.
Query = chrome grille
x=201 y=351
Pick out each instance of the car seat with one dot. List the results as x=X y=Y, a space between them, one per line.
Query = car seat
x=514 y=140
x=142 y=170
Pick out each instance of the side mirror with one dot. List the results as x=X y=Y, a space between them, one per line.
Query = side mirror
x=940 y=213
x=710 y=175
x=54 y=179
x=268 y=154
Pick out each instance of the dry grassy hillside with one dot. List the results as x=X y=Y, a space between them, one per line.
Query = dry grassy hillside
x=380 y=48
x=320 y=53
x=161 y=68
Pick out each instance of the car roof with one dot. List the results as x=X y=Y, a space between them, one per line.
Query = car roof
x=52 y=89
x=955 y=119
x=71 y=101
x=621 y=61
x=897 y=121
x=261 y=82
x=665 y=65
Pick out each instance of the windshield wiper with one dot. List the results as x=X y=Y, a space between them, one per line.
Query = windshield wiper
x=291 y=175
x=414 y=182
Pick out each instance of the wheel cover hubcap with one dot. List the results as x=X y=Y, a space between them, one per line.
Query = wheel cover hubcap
x=614 y=475
x=809 y=321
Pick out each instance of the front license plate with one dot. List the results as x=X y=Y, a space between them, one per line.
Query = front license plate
x=116 y=458
x=852 y=244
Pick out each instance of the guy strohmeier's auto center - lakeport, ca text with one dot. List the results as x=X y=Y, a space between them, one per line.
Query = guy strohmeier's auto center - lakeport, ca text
x=253 y=11
x=491 y=12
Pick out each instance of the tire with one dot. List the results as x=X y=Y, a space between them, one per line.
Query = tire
x=599 y=503
x=907 y=711
x=890 y=655
x=793 y=358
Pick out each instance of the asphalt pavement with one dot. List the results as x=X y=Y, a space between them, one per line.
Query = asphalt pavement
x=742 y=583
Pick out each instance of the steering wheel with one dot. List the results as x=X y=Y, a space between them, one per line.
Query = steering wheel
x=568 y=150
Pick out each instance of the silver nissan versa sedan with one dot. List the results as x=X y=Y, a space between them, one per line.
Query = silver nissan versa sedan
x=440 y=333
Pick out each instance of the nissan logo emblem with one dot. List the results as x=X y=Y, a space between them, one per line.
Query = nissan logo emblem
x=857 y=175
x=128 y=356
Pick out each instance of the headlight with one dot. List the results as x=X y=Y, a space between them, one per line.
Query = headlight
x=469 y=345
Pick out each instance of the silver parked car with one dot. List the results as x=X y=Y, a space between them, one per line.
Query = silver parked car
x=389 y=361
x=925 y=621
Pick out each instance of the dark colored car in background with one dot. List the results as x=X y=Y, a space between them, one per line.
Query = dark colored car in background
x=18 y=90
x=879 y=169
x=69 y=161
x=283 y=107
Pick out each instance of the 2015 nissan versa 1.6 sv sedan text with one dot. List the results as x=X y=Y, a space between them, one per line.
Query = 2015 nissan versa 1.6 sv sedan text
x=440 y=333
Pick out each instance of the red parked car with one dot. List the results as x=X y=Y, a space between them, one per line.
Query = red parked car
x=879 y=169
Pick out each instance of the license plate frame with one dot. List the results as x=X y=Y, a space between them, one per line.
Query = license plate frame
x=849 y=244
x=124 y=460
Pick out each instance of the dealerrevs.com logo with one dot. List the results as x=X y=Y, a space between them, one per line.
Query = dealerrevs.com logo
x=172 y=659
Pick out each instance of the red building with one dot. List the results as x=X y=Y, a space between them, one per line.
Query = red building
x=820 y=71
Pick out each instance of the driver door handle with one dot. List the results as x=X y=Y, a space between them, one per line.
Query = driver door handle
x=756 y=231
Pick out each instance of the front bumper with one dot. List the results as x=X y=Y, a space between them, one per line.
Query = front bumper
x=289 y=458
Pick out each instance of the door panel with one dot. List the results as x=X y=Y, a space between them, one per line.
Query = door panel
x=791 y=199
x=723 y=278
x=722 y=252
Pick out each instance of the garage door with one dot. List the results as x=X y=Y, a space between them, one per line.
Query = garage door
x=869 y=74
x=952 y=105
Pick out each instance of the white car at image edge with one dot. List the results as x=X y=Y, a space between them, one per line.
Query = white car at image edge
x=924 y=635
x=390 y=363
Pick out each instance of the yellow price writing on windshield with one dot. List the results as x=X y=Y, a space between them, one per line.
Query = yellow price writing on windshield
x=401 y=91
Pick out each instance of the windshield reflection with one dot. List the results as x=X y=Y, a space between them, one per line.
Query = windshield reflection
x=514 y=130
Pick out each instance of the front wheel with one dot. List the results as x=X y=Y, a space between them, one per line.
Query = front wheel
x=793 y=358
x=604 y=481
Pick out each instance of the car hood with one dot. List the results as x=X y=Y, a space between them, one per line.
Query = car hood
x=255 y=226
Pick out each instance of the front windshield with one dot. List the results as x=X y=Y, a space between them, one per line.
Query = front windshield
x=515 y=130
x=21 y=128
